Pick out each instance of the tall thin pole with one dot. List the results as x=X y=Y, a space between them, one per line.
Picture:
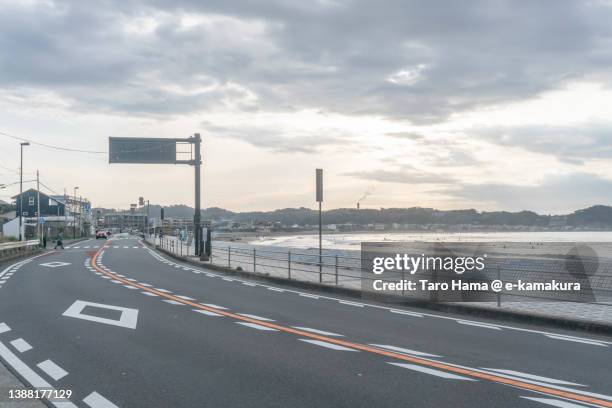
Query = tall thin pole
x=320 y=246
x=197 y=216
x=38 y=229
x=21 y=189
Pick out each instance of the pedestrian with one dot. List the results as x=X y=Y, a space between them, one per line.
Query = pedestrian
x=45 y=241
x=59 y=240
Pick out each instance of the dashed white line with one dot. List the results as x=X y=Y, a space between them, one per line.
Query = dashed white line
x=248 y=284
x=35 y=380
x=130 y=287
x=327 y=345
x=214 y=306
x=405 y=350
x=206 y=312
x=184 y=297
x=263 y=319
x=149 y=294
x=403 y=312
x=275 y=289
x=316 y=331
x=431 y=371
x=163 y=290
x=52 y=370
x=483 y=325
x=21 y=345
x=576 y=340
x=256 y=326
x=309 y=296
x=346 y=302
x=534 y=377
x=554 y=402
x=95 y=400
x=173 y=302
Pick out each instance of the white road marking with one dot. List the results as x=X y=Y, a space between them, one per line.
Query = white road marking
x=163 y=290
x=148 y=285
x=126 y=247
x=534 y=377
x=554 y=402
x=105 y=277
x=327 y=345
x=134 y=247
x=403 y=312
x=228 y=279
x=256 y=326
x=483 y=325
x=214 y=306
x=405 y=350
x=184 y=297
x=95 y=400
x=206 y=312
x=576 y=340
x=346 y=302
x=309 y=296
x=275 y=289
x=263 y=319
x=4 y=328
x=115 y=281
x=248 y=284
x=116 y=246
x=316 y=331
x=431 y=371
x=148 y=293
x=128 y=318
x=35 y=380
x=173 y=302
x=210 y=275
x=55 y=264
x=131 y=279
x=130 y=287
x=52 y=370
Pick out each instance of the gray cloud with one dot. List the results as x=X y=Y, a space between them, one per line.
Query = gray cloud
x=403 y=175
x=411 y=60
x=277 y=141
x=570 y=144
x=556 y=193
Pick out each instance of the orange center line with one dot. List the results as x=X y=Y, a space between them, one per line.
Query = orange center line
x=366 y=348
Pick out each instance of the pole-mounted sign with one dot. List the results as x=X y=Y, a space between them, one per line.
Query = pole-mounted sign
x=161 y=151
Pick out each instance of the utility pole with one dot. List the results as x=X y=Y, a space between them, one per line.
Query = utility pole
x=74 y=207
x=197 y=216
x=21 y=191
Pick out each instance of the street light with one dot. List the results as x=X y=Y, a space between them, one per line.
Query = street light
x=74 y=215
x=21 y=188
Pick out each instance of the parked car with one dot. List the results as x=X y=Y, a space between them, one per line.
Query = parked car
x=102 y=234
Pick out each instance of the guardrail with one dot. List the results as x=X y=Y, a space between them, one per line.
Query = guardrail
x=11 y=250
x=345 y=270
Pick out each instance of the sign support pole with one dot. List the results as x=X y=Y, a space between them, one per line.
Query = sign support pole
x=197 y=216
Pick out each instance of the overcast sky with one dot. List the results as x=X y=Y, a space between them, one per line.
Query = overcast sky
x=448 y=104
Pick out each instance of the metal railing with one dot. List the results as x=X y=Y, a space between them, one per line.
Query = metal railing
x=344 y=269
x=10 y=250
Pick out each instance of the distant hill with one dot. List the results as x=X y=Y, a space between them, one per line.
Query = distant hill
x=598 y=216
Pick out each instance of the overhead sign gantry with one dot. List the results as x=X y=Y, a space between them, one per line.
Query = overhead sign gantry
x=162 y=151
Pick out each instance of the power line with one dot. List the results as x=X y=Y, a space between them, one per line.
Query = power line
x=50 y=146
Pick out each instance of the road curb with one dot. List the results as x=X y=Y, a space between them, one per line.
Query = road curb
x=506 y=315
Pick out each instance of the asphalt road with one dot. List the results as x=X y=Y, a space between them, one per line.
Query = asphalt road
x=120 y=325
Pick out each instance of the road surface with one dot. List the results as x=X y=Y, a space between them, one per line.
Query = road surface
x=120 y=325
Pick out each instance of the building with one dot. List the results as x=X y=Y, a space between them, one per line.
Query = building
x=49 y=206
x=56 y=215
x=125 y=221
